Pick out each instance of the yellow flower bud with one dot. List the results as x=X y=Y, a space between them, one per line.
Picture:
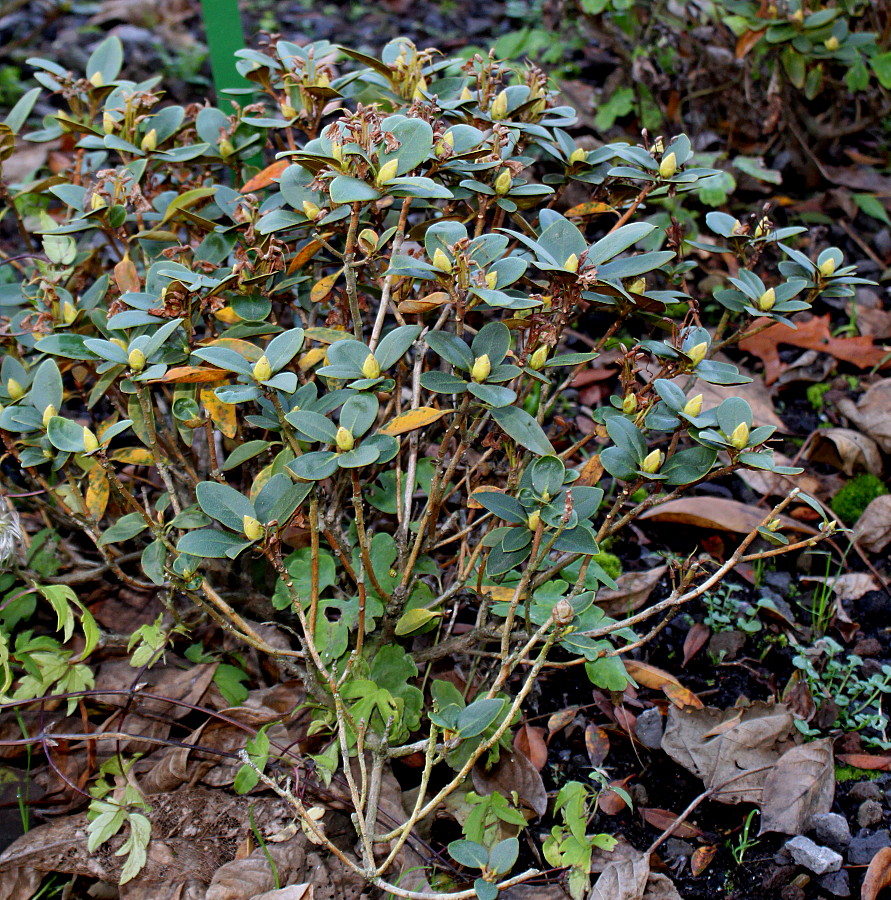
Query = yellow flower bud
x=563 y=612
x=572 y=263
x=482 y=367
x=288 y=111
x=96 y=202
x=767 y=300
x=773 y=525
x=48 y=413
x=763 y=227
x=491 y=280
x=827 y=267
x=638 y=286
x=441 y=261
x=738 y=228
x=446 y=143
x=798 y=16
x=740 y=437
x=388 y=171
x=539 y=358
x=579 y=155
x=832 y=44
x=227 y=148
x=97 y=80
x=344 y=439
x=533 y=521
x=109 y=123
x=262 y=371
x=629 y=404
x=91 y=442
x=322 y=80
x=150 y=141
x=697 y=353
x=252 y=529
x=465 y=94
x=136 y=359
x=668 y=166
x=693 y=407
x=371 y=367
x=498 y=110
x=120 y=343
x=310 y=210
x=337 y=151
x=503 y=182
x=15 y=389
x=69 y=312
x=652 y=462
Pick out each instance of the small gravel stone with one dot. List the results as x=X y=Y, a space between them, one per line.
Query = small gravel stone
x=833 y=830
x=865 y=845
x=865 y=790
x=649 y=728
x=792 y=892
x=836 y=883
x=867 y=647
x=870 y=813
x=676 y=848
x=813 y=857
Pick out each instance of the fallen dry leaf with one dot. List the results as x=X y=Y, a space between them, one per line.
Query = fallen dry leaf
x=561 y=719
x=597 y=744
x=800 y=786
x=634 y=590
x=531 y=743
x=755 y=393
x=701 y=858
x=734 y=762
x=630 y=878
x=649 y=676
x=718 y=513
x=610 y=802
x=664 y=819
x=873 y=528
x=850 y=586
x=697 y=637
x=812 y=334
x=878 y=875
x=846 y=449
x=513 y=772
x=866 y=761
x=871 y=413
x=681 y=696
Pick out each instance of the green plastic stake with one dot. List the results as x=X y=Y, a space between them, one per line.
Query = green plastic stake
x=225 y=35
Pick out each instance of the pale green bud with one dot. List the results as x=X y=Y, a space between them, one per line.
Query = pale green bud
x=740 y=437
x=344 y=439
x=827 y=267
x=697 y=353
x=482 y=367
x=693 y=407
x=371 y=367
x=252 y=528
x=149 y=141
x=15 y=389
x=572 y=263
x=767 y=300
x=668 y=166
x=91 y=442
x=441 y=261
x=136 y=360
x=538 y=359
x=262 y=371
x=388 y=171
x=503 y=182
x=652 y=462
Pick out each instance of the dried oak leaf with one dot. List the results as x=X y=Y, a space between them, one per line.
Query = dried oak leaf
x=873 y=528
x=513 y=772
x=846 y=449
x=878 y=875
x=630 y=878
x=730 y=750
x=810 y=334
x=872 y=412
x=800 y=786
x=717 y=513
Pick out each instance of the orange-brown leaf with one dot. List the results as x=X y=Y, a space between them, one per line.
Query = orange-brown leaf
x=866 y=761
x=878 y=875
x=747 y=41
x=323 y=287
x=424 y=304
x=591 y=472
x=701 y=858
x=530 y=742
x=194 y=375
x=134 y=456
x=304 y=255
x=268 y=176
x=413 y=419
x=663 y=819
x=561 y=719
x=473 y=503
x=681 y=696
x=597 y=744
x=697 y=637
x=611 y=803
x=812 y=334
x=649 y=676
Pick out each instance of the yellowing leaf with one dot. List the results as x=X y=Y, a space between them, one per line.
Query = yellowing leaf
x=221 y=414
x=322 y=288
x=262 y=477
x=304 y=255
x=249 y=351
x=500 y=593
x=227 y=315
x=183 y=201
x=125 y=275
x=415 y=418
x=591 y=208
x=472 y=503
x=311 y=358
x=415 y=619
x=134 y=456
x=97 y=492
x=424 y=304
